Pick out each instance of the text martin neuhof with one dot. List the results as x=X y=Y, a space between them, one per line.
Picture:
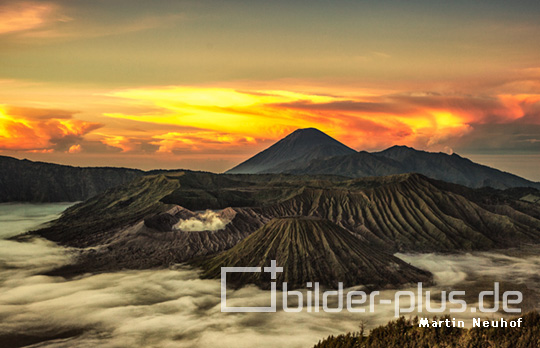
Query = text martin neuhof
x=476 y=322
x=357 y=301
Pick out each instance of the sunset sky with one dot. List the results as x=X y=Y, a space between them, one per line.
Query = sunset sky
x=206 y=84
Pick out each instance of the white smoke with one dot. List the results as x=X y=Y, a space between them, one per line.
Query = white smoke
x=448 y=150
x=207 y=221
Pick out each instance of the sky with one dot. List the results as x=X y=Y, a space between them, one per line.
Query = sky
x=206 y=84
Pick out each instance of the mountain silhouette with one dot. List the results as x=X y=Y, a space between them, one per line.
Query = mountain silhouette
x=29 y=181
x=310 y=151
x=402 y=159
x=296 y=149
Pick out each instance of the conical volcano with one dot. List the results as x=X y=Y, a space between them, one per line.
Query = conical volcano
x=312 y=250
x=296 y=149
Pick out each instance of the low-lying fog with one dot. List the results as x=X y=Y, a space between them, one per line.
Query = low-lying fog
x=174 y=308
x=19 y=217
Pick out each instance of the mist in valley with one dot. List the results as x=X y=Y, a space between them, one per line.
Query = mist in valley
x=173 y=307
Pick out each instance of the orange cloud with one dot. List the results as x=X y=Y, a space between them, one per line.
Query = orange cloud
x=120 y=142
x=423 y=120
x=27 y=129
x=35 y=113
x=175 y=142
x=519 y=105
x=229 y=124
x=367 y=121
x=75 y=148
x=20 y=16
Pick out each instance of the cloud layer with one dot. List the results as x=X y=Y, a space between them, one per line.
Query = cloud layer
x=172 y=307
x=30 y=129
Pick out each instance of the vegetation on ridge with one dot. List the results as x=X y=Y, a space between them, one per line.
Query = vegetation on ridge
x=405 y=333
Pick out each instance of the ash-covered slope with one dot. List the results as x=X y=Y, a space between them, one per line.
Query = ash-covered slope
x=410 y=212
x=312 y=250
x=94 y=221
x=158 y=241
x=132 y=226
x=296 y=149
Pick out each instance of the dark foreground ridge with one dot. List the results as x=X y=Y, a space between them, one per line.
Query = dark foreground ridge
x=40 y=182
x=28 y=181
x=312 y=250
x=405 y=333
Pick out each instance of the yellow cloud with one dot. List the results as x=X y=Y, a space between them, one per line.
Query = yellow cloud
x=229 y=116
x=220 y=109
x=229 y=121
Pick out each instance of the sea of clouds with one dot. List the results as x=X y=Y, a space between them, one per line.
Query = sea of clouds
x=173 y=307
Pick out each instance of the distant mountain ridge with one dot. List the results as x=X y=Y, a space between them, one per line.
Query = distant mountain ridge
x=394 y=160
x=402 y=159
x=303 y=152
x=296 y=149
x=28 y=181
